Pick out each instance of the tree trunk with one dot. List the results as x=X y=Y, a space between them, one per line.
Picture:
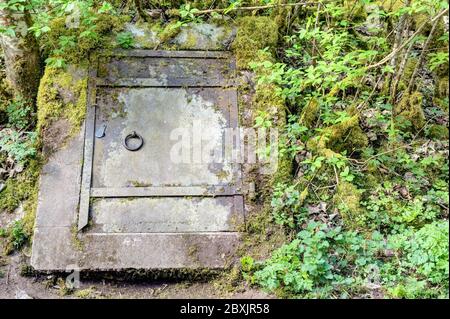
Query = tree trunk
x=21 y=52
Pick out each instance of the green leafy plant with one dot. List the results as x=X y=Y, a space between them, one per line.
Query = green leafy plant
x=19 y=114
x=287 y=205
x=188 y=14
x=424 y=260
x=317 y=260
x=19 y=145
x=17 y=235
x=363 y=164
x=437 y=59
x=125 y=40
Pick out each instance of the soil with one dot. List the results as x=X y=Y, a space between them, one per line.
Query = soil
x=13 y=285
x=54 y=136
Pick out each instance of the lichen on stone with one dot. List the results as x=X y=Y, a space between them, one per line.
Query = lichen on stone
x=145 y=35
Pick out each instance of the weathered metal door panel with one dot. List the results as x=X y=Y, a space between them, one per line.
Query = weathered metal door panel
x=160 y=114
x=168 y=70
x=161 y=188
x=165 y=214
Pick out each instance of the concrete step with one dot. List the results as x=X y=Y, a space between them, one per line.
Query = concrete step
x=58 y=249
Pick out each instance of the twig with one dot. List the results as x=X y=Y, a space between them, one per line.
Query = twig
x=443 y=206
x=314 y=40
x=397 y=40
x=268 y=6
x=400 y=71
x=396 y=51
x=336 y=175
x=360 y=107
x=422 y=56
x=325 y=187
x=397 y=148
x=7 y=275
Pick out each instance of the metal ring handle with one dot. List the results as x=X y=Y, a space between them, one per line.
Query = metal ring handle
x=133 y=135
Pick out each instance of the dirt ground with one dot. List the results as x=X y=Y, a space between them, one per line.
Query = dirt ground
x=13 y=285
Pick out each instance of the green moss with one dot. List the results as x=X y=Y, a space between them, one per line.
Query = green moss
x=6 y=96
x=441 y=88
x=229 y=281
x=27 y=70
x=27 y=270
x=347 y=200
x=170 y=31
x=407 y=73
x=424 y=18
x=266 y=100
x=105 y=25
x=344 y=136
x=254 y=33
x=391 y=5
x=261 y=235
x=76 y=241
x=310 y=113
x=140 y=184
x=22 y=189
x=60 y=95
x=63 y=290
x=87 y=293
x=409 y=113
x=438 y=132
x=442 y=103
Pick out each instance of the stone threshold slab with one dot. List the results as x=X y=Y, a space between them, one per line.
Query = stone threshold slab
x=57 y=249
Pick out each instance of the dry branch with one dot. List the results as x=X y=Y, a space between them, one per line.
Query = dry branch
x=222 y=10
x=422 y=56
x=404 y=44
